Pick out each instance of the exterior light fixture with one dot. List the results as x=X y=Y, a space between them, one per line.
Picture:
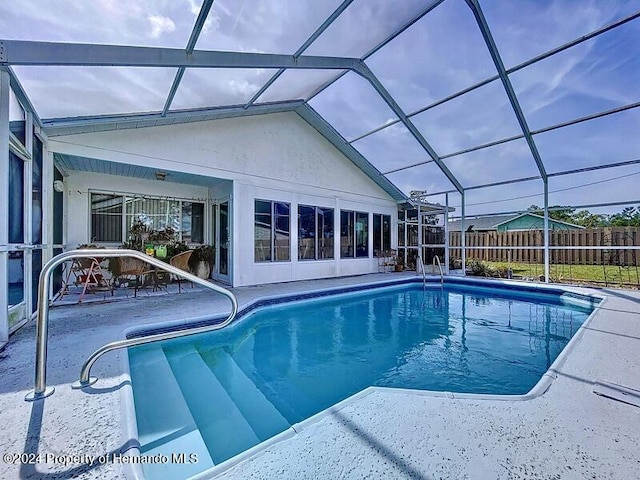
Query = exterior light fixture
x=58 y=185
x=161 y=176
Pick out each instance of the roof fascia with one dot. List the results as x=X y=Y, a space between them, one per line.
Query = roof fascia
x=61 y=126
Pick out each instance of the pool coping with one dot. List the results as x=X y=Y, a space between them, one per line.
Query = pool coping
x=128 y=416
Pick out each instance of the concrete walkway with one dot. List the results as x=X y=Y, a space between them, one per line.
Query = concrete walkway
x=569 y=432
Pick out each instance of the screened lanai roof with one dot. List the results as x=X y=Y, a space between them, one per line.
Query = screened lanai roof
x=491 y=98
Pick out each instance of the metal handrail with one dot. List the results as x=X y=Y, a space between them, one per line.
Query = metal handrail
x=424 y=276
x=40 y=388
x=437 y=259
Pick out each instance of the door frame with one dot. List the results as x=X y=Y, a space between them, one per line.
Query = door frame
x=215 y=234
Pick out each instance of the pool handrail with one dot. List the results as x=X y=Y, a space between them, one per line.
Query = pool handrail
x=41 y=390
x=437 y=259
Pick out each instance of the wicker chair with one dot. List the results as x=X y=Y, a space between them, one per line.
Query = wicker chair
x=132 y=267
x=181 y=261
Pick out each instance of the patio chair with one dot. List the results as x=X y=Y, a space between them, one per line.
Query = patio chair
x=132 y=267
x=389 y=260
x=181 y=261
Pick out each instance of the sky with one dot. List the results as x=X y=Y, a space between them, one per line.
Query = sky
x=439 y=55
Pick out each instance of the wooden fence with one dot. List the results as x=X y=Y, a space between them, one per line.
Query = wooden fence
x=478 y=244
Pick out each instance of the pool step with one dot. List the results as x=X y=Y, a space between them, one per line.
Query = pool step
x=243 y=357
x=165 y=424
x=263 y=417
x=223 y=427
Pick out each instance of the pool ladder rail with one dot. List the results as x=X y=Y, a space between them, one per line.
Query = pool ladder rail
x=436 y=259
x=41 y=390
x=420 y=267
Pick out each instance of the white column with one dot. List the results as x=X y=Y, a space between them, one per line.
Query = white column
x=420 y=232
x=446 y=233
x=463 y=240
x=546 y=230
x=4 y=206
x=336 y=237
x=28 y=216
x=47 y=200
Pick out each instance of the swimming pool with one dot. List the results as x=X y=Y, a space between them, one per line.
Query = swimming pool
x=218 y=394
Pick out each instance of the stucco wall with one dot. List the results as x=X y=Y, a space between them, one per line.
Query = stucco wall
x=252 y=149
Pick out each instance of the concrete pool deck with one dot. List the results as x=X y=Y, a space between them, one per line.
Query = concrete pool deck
x=568 y=432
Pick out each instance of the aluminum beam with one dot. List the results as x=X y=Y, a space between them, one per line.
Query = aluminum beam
x=511 y=70
x=463 y=236
x=553 y=209
x=408 y=166
x=380 y=45
x=5 y=80
x=550 y=175
x=19 y=52
x=587 y=118
x=18 y=89
x=595 y=167
x=446 y=234
x=343 y=6
x=515 y=137
x=191 y=45
x=506 y=82
x=546 y=230
x=366 y=73
x=504 y=182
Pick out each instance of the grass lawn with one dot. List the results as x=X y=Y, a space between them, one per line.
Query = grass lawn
x=577 y=273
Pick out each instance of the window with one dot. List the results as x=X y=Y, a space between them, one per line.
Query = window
x=106 y=218
x=16 y=199
x=192 y=222
x=315 y=233
x=113 y=215
x=354 y=234
x=155 y=213
x=381 y=234
x=272 y=231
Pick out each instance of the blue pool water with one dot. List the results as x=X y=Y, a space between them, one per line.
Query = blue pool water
x=217 y=394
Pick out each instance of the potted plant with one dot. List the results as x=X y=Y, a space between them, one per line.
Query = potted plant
x=138 y=234
x=201 y=261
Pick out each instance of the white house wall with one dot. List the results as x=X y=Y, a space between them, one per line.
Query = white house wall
x=271 y=157
x=249 y=272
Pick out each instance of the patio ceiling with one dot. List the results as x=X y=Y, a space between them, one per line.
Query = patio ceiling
x=450 y=96
x=67 y=163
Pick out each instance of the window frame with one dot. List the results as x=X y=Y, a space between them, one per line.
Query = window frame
x=317 y=211
x=125 y=230
x=273 y=224
x=354 y=216
x=382 y=249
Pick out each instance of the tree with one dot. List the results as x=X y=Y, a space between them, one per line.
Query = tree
x=562 y=213
x=587 y=219
x=629 y=217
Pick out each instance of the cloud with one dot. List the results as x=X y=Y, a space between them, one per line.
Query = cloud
x=160 y=25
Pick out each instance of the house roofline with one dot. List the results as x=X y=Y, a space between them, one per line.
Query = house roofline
x=541 y=217
x=54 y=127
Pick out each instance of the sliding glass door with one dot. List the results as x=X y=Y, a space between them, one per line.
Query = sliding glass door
x=221 y=228
x=24 y=203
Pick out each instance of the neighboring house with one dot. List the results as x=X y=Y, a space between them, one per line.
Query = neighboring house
x=509 y=223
